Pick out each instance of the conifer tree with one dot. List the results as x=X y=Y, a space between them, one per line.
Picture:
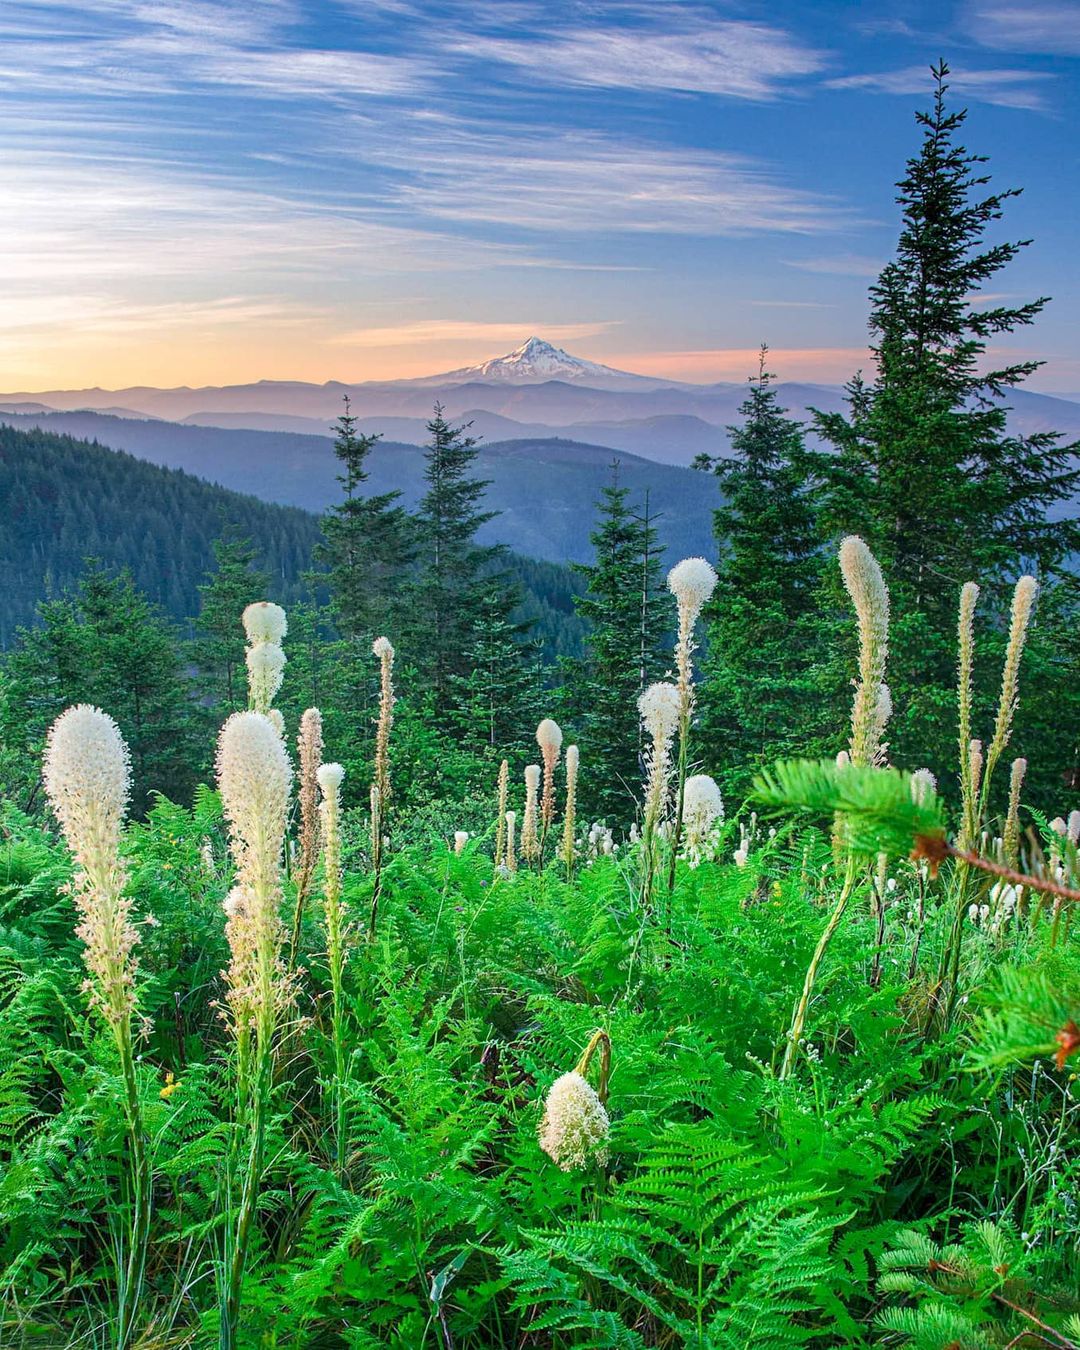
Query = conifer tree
x=453 y=574
x=218 y=650
x=105 y=644
x=925 y=468
x=367 y=541
x=630 y=616
x=760 y=623
x=500 y=700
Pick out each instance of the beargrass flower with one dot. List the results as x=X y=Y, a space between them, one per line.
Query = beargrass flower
x=575 y=1125
x=530 y=840
x=703 y=806
x=266 y=670
x=549 y=738
x=265 y=622
x=866 y=587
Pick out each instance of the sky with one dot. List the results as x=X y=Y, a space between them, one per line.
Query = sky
x=197 y=193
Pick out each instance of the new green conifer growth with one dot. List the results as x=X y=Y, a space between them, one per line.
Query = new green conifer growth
x=87 y=778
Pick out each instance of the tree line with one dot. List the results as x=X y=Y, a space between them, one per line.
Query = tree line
x=921 y=464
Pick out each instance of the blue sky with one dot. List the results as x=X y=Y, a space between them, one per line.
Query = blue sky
x=197 y=192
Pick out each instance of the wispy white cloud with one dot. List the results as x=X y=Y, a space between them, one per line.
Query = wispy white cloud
x=702 y=54
x=462 y=330
x=1024 y=89
x=1051 y=27
x=587 y=182
x=839 y=265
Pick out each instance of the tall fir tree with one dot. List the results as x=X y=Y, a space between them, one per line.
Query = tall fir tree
x=218 y=649
x=453 y=572
x=629 y=616
x=925 y=467
x=757 y=676
x=367 y=543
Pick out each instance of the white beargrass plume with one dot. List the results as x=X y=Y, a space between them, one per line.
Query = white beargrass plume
x=383 y=649
x=923 y=785
x=511 y=856
x=265 y=622
x=87 y=778
x=309 y=747
x=570 y=814
x=88 y=781
x=1023 y=603
x=266 y=670
x=254 y=777
x=969 y=825
x=549 y=738
x=703 y=806
x=1010 y=839
x=500 y=813
x=659 y=708
x=330 y=778
x=461 y=838
x=530 y=839
x=574 y=1128
x=866 y=587
x=691 y=582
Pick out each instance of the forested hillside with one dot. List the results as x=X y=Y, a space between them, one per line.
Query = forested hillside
x=66 y=500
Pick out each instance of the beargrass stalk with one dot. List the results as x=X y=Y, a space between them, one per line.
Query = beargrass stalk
x=659 y=709
x=969 y=792
x=691 y=582
x=574 y=1127
x=500 y=814
x=88 y=782
x=511 y=855
x=870 y=711
x=253 y=778
x=380 y=787
x=549 y=738
x=1010 y=839
x=309 y=746
x=980 y=767
x=798 y=1021
x=530 y=838
x=265 y=626
x=570 y=814
x=330 y=779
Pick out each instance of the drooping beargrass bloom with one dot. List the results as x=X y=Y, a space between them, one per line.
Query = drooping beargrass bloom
x=530 y=839
x=254 y=777
x=659 y=709
x=549 y=739
x=691 y=582
x=871 y=707
x=309 y=746
x=570 y=814
x=330 y=777
x=500 y=814
x=511 y=855
x=88 y=782
x=575 y=1126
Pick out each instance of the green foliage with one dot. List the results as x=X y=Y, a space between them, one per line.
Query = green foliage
x=880 y=810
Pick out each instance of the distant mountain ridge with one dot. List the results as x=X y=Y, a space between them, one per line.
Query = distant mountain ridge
x=535 y=392
x=544 y=490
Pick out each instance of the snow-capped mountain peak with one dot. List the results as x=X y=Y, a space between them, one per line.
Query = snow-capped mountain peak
x=536 y=361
